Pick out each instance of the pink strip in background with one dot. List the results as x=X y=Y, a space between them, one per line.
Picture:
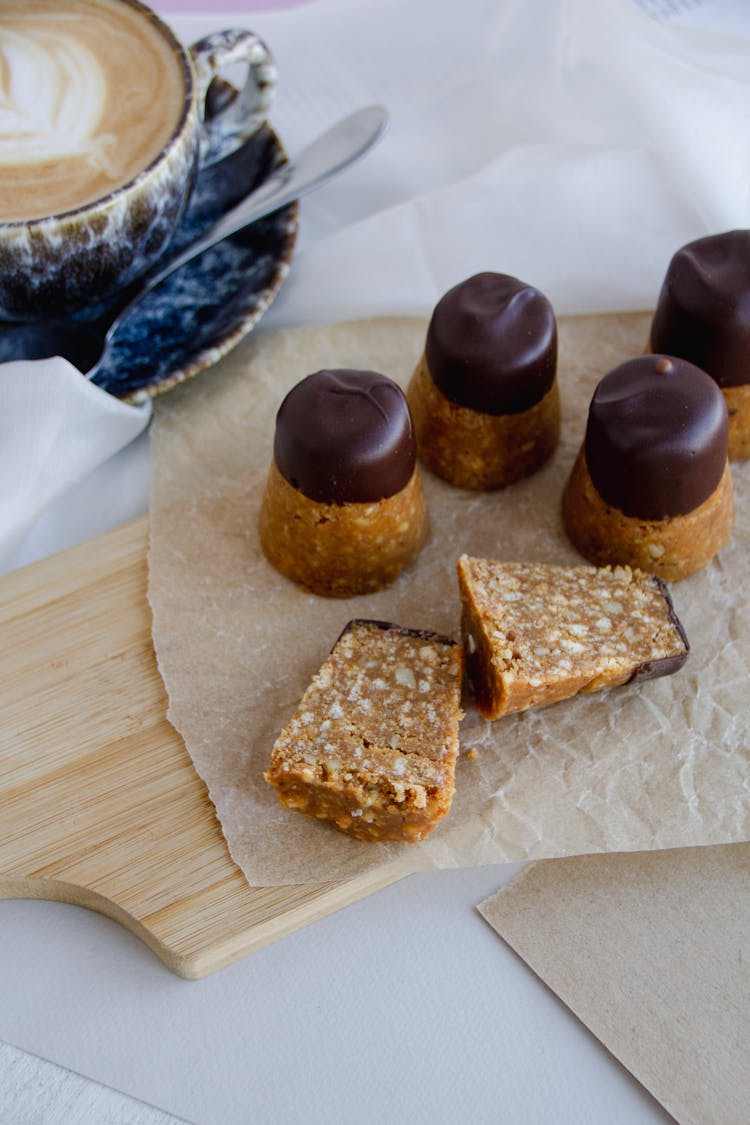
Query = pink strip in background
x=207 y=7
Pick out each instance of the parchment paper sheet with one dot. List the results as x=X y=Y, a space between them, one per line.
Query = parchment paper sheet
x=651 y=951
x=660 y=765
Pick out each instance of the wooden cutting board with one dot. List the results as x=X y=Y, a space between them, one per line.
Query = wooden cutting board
x=101 y=805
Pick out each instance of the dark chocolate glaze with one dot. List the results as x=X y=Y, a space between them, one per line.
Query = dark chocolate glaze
x=492 y=344
x=656 y=439
x=652 y=669
x=403 y=630
x=703 y=311
x=345 y=437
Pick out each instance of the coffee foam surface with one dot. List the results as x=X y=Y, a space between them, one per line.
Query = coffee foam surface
x=90 y=92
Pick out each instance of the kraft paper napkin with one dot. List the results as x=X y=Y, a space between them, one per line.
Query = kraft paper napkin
x=658 y=765
x=651 y=952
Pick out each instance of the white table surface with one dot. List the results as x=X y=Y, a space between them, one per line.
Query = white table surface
x=404 y=1006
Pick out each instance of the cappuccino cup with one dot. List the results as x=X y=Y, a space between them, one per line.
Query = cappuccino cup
x=105 y=120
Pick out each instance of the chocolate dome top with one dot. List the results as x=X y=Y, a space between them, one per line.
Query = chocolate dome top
x=703 y=311
x=345 y=437
x=492 y=344
x=656 y=439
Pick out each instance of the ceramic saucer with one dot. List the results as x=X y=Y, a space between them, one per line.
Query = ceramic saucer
x=200 y=313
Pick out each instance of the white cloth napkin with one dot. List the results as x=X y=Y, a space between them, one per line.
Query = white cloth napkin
x=55 y=428
x=575 y=145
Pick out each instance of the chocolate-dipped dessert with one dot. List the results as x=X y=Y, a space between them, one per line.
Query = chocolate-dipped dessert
x=703 y=315
x=343 y=511
x=651 y=486
x=484 y=394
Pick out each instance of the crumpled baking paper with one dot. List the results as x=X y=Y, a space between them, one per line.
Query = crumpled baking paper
x=659 y=765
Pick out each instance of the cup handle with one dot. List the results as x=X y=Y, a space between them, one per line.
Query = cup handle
x=235 y=114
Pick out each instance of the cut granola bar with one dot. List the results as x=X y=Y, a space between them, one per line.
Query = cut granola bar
x=535 y=634
x=372 y=746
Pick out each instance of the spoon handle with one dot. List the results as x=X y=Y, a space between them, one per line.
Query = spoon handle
x=326 y=156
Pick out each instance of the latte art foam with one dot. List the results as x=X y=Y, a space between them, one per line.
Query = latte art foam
x=53 y=101
x=90 y=92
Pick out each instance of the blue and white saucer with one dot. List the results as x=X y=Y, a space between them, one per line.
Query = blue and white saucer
x=203 y=310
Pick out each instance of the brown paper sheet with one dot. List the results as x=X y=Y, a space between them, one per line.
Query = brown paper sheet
x=651 y=952
x=660 y=765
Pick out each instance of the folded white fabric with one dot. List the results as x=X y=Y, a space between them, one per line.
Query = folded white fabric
x=55 y=428
x=575 y=145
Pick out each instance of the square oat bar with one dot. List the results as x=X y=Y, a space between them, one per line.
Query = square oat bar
x=372 y=746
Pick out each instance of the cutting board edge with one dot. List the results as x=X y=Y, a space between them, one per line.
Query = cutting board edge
x=233 y=948
x=221 y=953
x=58 y=890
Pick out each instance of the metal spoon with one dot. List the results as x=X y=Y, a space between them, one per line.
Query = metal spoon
x=324 y=158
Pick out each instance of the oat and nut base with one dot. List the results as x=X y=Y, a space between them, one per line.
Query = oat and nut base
x=536 y=634
x=738 y=407
x=340 y=550
x=372 y=746
x=674 y=548
x=480 y=451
